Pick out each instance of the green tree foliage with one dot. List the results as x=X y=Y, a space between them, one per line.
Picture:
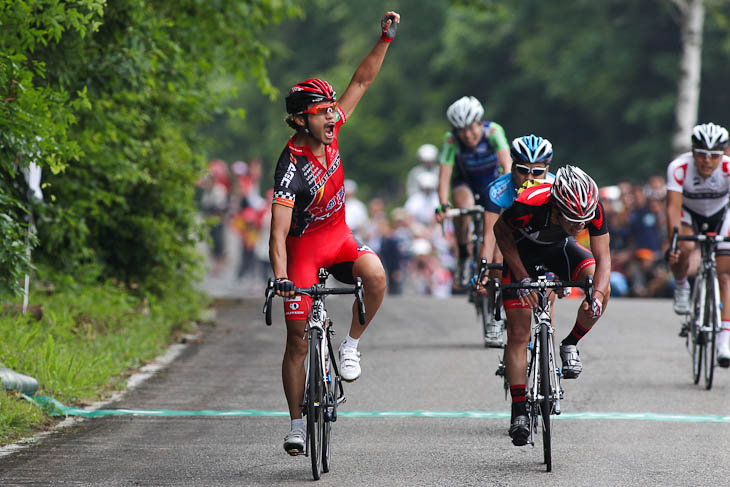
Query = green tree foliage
x=109 y=96
x=597 y=78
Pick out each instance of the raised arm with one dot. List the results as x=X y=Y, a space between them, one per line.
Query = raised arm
x=370 y=66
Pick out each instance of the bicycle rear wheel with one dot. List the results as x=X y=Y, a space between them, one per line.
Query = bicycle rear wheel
x=711 y=326
x=315 y=419
x=546 y=401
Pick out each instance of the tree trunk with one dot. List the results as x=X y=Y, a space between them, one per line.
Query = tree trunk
x=691 y=21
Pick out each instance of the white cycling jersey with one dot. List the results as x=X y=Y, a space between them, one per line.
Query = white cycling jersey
x=702 y=196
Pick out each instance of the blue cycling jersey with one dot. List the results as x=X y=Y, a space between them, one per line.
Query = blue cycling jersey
x=502 y=192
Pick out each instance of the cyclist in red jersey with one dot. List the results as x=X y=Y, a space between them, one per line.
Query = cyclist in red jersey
x=308 y=228
x=539 y=229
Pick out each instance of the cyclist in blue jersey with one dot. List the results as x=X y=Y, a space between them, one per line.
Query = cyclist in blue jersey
x=531 y=156
x=474 y=154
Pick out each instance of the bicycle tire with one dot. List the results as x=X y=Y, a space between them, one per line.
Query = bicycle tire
x=711 y=320
x=315 y=418
x=695 y=334
x=546 y=403
x=330 y=385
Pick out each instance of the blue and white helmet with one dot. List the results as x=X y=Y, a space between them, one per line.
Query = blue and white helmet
x=464 y=112
x=709 y=136
x=531 y=149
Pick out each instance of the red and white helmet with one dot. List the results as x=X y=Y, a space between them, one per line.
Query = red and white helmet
x=307 y=93
x=575 y=193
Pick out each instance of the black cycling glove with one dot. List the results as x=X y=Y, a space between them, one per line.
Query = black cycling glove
x=388 y=33
x=283 y=285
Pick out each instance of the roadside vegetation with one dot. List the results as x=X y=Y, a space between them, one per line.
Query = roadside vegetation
x=89 y=338
x=107 y=99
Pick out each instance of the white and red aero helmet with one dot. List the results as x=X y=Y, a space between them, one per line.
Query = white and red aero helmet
x=575 y=193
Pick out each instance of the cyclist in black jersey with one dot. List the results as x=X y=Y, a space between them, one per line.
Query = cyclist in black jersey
x=539 y=229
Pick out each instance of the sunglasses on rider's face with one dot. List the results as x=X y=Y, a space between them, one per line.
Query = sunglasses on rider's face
x=575 y=221
x=535 y=171
x=712 y=154
x=321 y=109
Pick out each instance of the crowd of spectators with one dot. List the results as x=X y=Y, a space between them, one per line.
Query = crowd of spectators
x=417 y=253
x=231 y=202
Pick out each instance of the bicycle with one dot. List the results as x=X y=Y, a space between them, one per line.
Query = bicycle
x=482 y=304
x=703 y=321
x=323 y=390
x=544 y=391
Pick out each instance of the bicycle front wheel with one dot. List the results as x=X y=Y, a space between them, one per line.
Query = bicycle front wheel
x=696 y=337
x=486 y=314
x=315 y=418
x=546 y=401
x=330 y=394
x=712 y=324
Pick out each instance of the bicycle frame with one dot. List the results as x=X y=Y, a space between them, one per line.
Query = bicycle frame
x=541 y=320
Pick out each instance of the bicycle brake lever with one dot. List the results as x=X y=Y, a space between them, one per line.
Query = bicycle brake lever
x=267 y=304
x=497 y=292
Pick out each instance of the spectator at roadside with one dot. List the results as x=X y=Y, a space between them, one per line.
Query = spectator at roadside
x=427 y=163
x=421 y=203
x=214 y=202
x=356 y=213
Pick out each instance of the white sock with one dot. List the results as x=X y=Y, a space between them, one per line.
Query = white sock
x=297 y=424
x=724 y=336
x=350 y=342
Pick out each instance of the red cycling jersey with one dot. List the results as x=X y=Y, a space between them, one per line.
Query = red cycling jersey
x=318 y=236
x=315 y=192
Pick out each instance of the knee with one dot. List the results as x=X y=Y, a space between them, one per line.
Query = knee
x=296 y=346
x=374 y=281
x=724 y=278
x=518 y=333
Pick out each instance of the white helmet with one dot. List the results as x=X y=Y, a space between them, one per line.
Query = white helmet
x=575 y=193
x=464 y=111
x=427 y=152
x=709 y=136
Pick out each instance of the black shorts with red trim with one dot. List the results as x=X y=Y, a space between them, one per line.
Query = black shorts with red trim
x=334 y=248
x=566 y=259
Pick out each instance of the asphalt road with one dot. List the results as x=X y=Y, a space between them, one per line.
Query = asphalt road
x=420 y=354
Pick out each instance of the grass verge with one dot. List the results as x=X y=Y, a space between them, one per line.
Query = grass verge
x=88 y=341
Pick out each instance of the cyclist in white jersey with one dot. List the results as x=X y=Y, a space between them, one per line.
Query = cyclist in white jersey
x=698 y=185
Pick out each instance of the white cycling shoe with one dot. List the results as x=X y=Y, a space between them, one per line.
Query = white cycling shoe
x=294 y=442
x=494 y=336
x=723 y=355
x=349 y=363
x=681 y=299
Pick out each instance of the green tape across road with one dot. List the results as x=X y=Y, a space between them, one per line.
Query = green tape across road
x=57 y=409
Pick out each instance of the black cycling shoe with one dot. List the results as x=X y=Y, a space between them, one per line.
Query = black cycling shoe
x=519 y=430
x=684 y=331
